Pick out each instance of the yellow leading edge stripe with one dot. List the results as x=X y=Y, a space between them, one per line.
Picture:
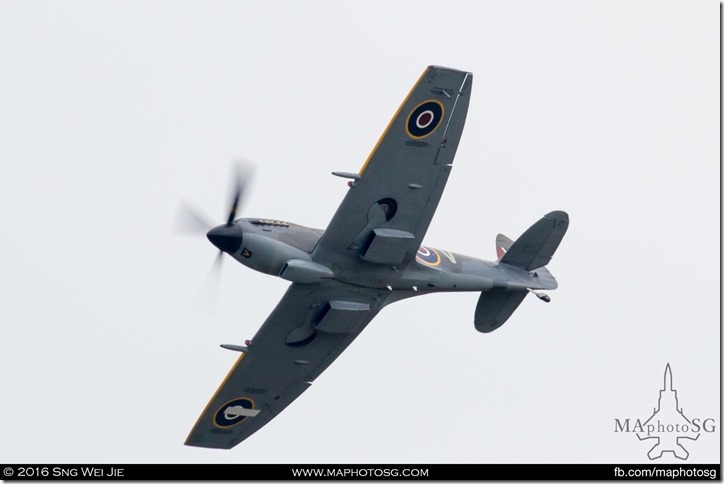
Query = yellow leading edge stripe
x=397 y=113
x=231 y=372
x=367 y=162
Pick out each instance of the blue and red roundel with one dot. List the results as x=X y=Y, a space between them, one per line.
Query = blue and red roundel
x=424 y=119
x=429 y=257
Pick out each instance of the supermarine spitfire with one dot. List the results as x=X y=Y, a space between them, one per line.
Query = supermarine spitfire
x=369 y=256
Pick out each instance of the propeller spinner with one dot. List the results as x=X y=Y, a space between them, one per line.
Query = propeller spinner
x=227 y=238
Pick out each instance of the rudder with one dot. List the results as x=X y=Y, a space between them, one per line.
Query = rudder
x=502 y=244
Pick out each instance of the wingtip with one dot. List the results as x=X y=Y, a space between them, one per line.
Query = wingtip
x=443 y=68
x=557 y=215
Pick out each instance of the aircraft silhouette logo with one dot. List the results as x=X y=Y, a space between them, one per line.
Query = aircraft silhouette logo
x=670 y=425
x=667 y=427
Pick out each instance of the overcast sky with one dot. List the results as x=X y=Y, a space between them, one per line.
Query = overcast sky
x=111 y=113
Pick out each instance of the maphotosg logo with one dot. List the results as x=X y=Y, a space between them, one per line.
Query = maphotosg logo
x=668 y=428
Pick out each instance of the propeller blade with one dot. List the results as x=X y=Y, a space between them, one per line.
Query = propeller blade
x=243 y=171
x=208 y=296
x=234 y=206
x=190 y=220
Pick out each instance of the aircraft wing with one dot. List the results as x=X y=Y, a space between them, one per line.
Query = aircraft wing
x=386 y=213
x=308 y=329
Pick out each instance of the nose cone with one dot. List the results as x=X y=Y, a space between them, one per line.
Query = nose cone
x=226 y=237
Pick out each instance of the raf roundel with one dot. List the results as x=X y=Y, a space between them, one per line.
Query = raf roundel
x=234 y=412
x=424 y=119
x=428 y=257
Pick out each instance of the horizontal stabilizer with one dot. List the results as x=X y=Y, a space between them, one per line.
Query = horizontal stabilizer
x=495 y=307
x=536 y=246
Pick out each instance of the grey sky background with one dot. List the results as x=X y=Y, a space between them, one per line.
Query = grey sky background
x=113 y=112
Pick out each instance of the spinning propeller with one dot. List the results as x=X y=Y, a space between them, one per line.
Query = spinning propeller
x=226 y=237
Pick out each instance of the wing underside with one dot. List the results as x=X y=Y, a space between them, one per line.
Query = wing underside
x=381 y=220
x=308 y=329
x=385 y=215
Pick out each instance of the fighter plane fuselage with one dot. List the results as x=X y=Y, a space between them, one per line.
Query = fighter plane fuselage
x=285 y=249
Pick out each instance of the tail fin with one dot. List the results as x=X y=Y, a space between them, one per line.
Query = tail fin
x=536 y=246
x=502 y=244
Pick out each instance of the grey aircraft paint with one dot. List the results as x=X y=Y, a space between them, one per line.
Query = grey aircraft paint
x=370 y=255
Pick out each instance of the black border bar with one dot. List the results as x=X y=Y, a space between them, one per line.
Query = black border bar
x=342 y=472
